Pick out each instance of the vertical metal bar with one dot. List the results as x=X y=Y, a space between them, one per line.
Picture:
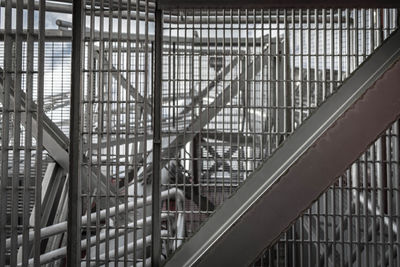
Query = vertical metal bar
x=365 y=207
x=308 y=63
x=39 y=139
x=215 y=104
x=354 y=168
x=118 y=157
x=350 y=218
x=223 y=96
x=185 y=72
x=301 y=99
x=196 y=135
x=293 y=115
x=269 y=86
x=89 y=123
x=109 y=104
x=200 y=162
x=316 y=57
x=74 y=201
x=293 y=74
x=246 y=90
x=333 y=217
x=100 y=122
x=207 y=75
x=389 y=198
x=177 y=64
x=279 y=117
x=254 y=89
x=374 y=214
x=136 y=143
x=380 y=208
x=157 y=94
x=316 y=90
x=356 y=42
x=308 y=106
x=324 y=76
x=341 y=219
x=340 y=45
x=332 y=55
x=232 y=103
x=145 y=115
x=28 y=133
x=349 y=67
x=396 y=163
x=364 y=34
x=301 y=51
x=263 y=87
x=286 y=77
x=127 y=133
x=171 y=90
x=356 y=196
x=17 y=131
x=324 y=50
x=5 y=137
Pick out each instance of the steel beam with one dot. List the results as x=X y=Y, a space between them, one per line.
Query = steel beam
x=308 y=162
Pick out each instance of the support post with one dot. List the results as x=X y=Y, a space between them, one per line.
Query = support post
x=156 y=205
x=74 y=201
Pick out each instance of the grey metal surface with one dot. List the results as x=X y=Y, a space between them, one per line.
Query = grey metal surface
x=303 y=167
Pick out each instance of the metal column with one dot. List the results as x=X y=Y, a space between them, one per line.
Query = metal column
x=156 y=180
x=74 y=193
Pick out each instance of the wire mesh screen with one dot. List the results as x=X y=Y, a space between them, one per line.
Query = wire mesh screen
x=236 y=83
x=354 y=223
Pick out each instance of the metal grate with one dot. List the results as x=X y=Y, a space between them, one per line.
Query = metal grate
x=29 y=174
x=21 y=157
x=236 y=83
x=354 y=223
x=117 y=133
